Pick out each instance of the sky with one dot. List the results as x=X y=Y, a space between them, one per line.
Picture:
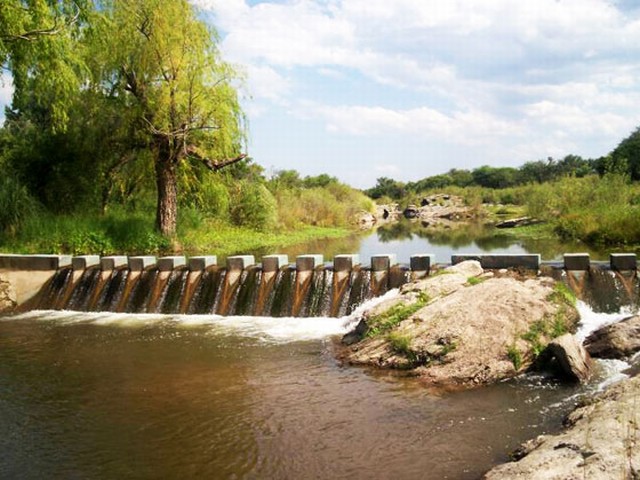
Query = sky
x=362 y=89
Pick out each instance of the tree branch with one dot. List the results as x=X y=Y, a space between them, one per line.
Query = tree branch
x=193 y=152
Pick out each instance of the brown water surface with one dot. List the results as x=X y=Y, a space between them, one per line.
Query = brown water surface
x=124 y=396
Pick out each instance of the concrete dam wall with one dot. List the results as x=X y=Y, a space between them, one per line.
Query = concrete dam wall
x=274 y=287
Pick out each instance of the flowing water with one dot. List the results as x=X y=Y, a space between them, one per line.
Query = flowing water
x=107 y=395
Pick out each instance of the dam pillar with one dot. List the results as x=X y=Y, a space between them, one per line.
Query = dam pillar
x=380 y=272
x=240 y=262
x=420 y=265
x=577 y=261
x=82 y=262
x=345 y=263
x=167 y=264
x=622 y=262
x=113 y=262
x=141 y=263
x=273 y=263
x=309 y=262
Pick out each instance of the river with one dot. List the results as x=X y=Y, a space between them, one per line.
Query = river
x=154 y=396
x=103 y=395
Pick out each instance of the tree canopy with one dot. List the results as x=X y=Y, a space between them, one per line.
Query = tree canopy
x=110 y=94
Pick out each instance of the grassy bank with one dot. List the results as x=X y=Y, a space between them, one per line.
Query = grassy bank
x=597 y=211
x=134 y=234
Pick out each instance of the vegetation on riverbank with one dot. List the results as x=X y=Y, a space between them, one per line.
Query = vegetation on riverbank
x=594 y=201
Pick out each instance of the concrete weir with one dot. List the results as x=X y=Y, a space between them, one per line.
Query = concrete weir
x=308 y=286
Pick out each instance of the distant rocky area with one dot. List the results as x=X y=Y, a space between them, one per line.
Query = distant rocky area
x=433 y=209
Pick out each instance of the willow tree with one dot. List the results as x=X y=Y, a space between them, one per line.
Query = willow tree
x=162 y=63
x=39 y=46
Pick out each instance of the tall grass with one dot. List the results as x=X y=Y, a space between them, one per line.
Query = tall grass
x=600 y=211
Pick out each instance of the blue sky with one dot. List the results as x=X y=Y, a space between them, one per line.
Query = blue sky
x=362 y=89
x=409 y=88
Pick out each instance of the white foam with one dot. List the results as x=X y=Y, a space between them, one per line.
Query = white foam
x=270 y=329
x=591 y=321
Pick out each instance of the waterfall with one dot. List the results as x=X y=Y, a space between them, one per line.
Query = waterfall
x=285 y=292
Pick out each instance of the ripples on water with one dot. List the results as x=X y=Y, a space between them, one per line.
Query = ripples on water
x=152 y=396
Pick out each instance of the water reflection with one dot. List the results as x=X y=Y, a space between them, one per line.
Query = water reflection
x=410 y=237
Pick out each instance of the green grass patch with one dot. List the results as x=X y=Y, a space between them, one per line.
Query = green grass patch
x=400 y=343
x=515 y=356
x=389 y=319
x=562 y=294
x=475 y=280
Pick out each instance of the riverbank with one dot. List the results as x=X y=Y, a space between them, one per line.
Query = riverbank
x=135 y=235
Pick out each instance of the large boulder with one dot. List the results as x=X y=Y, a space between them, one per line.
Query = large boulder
x=615 y=341
x=462 y=327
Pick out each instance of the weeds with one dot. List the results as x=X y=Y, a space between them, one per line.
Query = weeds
x=515 y=356
x=386 y=321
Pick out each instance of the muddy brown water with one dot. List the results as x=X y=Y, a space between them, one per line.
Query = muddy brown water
x=150 y=396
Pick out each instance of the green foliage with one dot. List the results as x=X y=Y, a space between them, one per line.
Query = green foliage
x=562 y=294
x=254 y=206
x=16 y=204
x=400 y=343
x=599 y=211
x=386 y=321
x=474 y=280
x=118 y=232
x=515 y=356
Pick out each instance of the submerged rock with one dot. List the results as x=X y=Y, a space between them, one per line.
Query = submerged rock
x=601 y=442
x=463 y=327
x=615 y=341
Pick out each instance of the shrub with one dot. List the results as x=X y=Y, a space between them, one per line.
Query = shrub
x=16 y=204
x=254 y=206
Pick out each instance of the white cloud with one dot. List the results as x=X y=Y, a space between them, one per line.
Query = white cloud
x=514 y=77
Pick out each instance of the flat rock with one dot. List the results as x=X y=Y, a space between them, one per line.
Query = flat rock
x=462 y=336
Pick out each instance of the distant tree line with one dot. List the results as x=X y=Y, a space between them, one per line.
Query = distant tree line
x=624 y=159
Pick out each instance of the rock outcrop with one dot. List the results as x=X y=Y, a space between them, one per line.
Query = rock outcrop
x=7 y=296
x=463 y=327
x=615 y=341
x=602 y=442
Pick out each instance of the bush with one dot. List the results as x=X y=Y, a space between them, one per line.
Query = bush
x=254 y=206
x=16 y=204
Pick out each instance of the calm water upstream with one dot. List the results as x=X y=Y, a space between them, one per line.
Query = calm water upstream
x=147 y=396
x=406 y=238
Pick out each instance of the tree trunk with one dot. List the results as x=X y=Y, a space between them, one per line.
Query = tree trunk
x=167 y=206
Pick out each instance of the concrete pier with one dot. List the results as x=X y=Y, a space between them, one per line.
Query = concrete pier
x=273 y=263
x=383 y=262
x=305 y=263
x=577 y=261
